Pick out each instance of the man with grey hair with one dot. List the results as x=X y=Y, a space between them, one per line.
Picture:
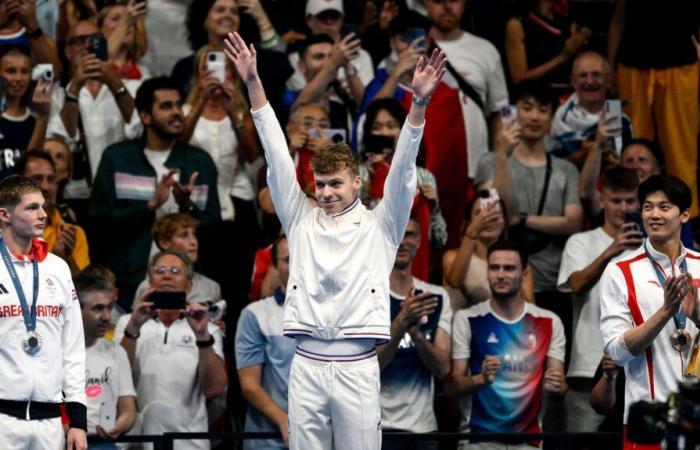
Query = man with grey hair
x=575 y=123
x=176 y=354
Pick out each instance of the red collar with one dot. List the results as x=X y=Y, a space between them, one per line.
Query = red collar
x=39 y=250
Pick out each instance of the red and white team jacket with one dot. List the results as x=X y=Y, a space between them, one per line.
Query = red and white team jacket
x=57 y=372
x=339 y=265
x=630 y=293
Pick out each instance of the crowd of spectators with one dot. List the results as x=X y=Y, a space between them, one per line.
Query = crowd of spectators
x=141 y=135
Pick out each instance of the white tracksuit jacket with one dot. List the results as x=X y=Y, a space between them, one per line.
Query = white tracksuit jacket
x=339 y=265
x=60 y=365
x=630 y=293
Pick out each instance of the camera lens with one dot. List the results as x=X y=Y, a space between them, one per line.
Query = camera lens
x=48 y=75
x=212 y=57
x=337 y=138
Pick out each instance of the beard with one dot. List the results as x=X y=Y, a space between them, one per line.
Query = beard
x=162 y=131
x=446 y=23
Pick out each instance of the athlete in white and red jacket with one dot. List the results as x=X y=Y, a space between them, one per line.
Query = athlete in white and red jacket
x=341 y=255
x=39 y=370
x=642 y=292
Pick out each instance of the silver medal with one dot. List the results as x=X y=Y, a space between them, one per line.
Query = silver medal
x=31 y=342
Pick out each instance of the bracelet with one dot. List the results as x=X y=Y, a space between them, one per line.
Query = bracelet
x=131 y=336
x=350 y=72
x=205 y=344
x=268 y=43
x=120 y=92
x=421 y=101
x=70 y=98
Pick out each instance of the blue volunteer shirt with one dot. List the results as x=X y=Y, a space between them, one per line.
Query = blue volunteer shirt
x=259 y=341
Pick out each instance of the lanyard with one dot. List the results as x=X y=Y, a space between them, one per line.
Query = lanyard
x=679 y=318
x=28 y=315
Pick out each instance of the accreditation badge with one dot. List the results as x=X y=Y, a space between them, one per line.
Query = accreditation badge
x=32 y=342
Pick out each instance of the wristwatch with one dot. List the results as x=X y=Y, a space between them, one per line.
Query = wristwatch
x=421 y=101
x=120 y=92
x=350 y=71
x=523 y=219
x=205 y=344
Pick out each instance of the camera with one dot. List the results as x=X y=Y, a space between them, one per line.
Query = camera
x=43 y=72
x=675 y=423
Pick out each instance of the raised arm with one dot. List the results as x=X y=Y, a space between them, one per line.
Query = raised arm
x=288 y=198
x=400 y=185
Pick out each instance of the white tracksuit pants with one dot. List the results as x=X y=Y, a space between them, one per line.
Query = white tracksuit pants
x=45 y=434
x=334 y=404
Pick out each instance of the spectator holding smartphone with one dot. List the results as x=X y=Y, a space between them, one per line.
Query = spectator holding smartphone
x=178 y=359
x=464 y=267
x=585 y=257
x=383 y=120
x=96 y=95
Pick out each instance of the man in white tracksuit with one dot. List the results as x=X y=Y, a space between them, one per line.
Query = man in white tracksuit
x=341 y=255
x=42 y=351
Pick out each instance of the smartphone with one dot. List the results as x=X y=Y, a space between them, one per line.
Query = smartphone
x=509 y=112
x=634 y=218
x=107 y=419
x=613 y=115
x=43 y=72
x=217 y=310
x=216 y=64
x=375 y=143
x=98 y=46
x=416 y=37
x=336 y=135
x=168 y=300
x=488 y=197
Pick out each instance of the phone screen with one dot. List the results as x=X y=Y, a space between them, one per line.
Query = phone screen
x=168 y=300
x=613 y=115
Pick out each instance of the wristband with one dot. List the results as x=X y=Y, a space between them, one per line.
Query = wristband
x=77 y=415
x=205 y=344
x=131 y=336
x=70 y=98
x=421 y=101
x=120 y=92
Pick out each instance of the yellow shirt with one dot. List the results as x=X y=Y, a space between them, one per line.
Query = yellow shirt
x=80 y=254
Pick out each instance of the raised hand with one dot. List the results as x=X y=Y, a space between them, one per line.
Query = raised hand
x=427 y=75
x=244 y=58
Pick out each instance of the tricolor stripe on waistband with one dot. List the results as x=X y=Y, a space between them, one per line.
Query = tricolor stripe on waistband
x=336 y=358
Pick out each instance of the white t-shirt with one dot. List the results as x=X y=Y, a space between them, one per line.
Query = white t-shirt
x=107 y=377
x=587 y=343
x=156 y=159
x=217 y=138
x=165 y=370
x=479 y=63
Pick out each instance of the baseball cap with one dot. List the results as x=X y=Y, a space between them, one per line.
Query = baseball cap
x=315 y=7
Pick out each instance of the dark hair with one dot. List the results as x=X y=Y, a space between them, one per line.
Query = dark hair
x=15 y=48
x=145 y=96
x=619 y=178
x=677 y=192
x=275 y=245
x=313 y=40
x=389 y=105
x=651 y=145
x=22 y=161
x=197 y=13
x=86 y=283
x=506 y=245
x=470 y=207
x=538 y=90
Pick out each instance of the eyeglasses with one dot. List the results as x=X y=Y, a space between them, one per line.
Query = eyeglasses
x=160 y=270
x=81 y=39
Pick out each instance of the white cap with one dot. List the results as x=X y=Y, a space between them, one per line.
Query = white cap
x=315 y=7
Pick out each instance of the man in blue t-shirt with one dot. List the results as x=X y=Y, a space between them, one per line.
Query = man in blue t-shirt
x=264 y=358
x=419 y=348
x=507 y=356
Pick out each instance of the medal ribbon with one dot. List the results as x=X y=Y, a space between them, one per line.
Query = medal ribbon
x=679 y=318
x=28 y=315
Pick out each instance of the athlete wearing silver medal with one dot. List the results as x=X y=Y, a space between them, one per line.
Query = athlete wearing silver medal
x=650 y=309
x=340 y=258
x=42 y=356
